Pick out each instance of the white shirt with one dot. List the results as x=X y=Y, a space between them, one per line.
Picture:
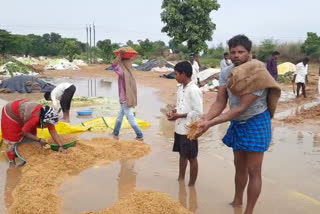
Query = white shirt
x=195 y=71
x=57 y=92
x=189 y=101
x=225 y=63
x=301 y=72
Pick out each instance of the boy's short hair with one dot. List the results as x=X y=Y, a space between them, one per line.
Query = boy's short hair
x=184 y=67
x=47 y=95
x=305 y=59
x=240 y=40
x=226 y=54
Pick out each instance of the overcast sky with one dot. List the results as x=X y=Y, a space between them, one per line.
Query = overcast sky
x=123 y=20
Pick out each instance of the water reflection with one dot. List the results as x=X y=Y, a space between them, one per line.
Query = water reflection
x=193 y=201
x=237 y=210
x=166 y=127
x=127 y=178
x=316 y=140
x=96 y=87
x=106 y=83
x=13 y=177
x=300 y=137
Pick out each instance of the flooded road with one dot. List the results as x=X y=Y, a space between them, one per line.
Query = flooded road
x=291 y=168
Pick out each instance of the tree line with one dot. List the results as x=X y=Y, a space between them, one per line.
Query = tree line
x=53 y=44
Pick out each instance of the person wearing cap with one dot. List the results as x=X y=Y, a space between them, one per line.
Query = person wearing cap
x=20 y=120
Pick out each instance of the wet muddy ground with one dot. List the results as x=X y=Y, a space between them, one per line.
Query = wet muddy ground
x=291 y=168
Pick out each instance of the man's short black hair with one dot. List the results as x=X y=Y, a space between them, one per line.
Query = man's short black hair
x=275 y=53
x=184 y=67
x=240 y=40
x=305 y=60
x=47 y=95
x=226 y=54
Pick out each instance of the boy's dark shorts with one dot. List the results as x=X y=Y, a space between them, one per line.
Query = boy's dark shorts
x=187 y=148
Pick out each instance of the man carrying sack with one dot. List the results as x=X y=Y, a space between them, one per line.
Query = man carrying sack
x=253 y=95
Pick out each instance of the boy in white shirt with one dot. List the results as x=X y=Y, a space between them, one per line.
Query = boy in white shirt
x=188 y=109
x=300 y=76
x=64 y=93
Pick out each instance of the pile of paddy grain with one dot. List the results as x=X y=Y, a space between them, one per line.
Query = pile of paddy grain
x=46 y=170
x=29 y=149
x=193 y=130
x=145 y=202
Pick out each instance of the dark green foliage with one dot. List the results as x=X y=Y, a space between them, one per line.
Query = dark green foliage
x=285 y=78
x=189 y=21
x=311 y=46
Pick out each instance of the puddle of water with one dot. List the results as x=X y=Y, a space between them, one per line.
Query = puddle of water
x=80 y=193
x=90 y=87
x=290 y=165
x=295 y=110
x=157 y=171
x=286 y=96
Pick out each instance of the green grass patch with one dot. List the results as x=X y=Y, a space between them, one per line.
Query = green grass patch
x=210 y=61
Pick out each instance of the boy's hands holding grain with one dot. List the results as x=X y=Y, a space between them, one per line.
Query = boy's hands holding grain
x=173 y=115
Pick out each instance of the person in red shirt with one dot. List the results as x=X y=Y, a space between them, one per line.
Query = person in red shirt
x=21 y=118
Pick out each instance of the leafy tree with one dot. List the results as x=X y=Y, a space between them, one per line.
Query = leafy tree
x=130 y=43
x=146 y=47
x=216 y=52
x=6 y=41
x=136 y=47
x=82 y=45
x=177 y=47
x=158 y=48
x=71 y=48
x=54 y=44
x=266 y=48
x=21 y=45
x=107 y=49
x=38 y=47
x=55 y=38
x=312 y=44
x=189 y=21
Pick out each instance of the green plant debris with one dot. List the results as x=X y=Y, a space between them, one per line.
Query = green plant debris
x=285 y=78
x=86 y=101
